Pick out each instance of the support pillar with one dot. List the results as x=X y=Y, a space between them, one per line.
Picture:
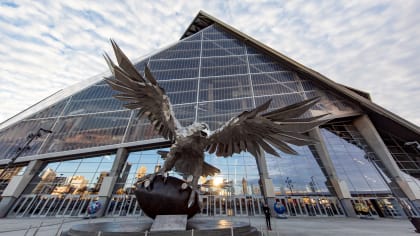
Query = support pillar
x=107 y=187
x=339 y=186
x=368 y=131
x=17 y=185
x=266 y=183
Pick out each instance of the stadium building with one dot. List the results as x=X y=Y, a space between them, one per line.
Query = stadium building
x=81 y=145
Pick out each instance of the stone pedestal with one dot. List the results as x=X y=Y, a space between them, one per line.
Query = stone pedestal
x=169 y=222
x=196 y=227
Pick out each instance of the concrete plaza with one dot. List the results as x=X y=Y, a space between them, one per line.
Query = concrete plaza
x=292 y=226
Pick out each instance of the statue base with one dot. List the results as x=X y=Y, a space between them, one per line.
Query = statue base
x=196 y=227
x=166 y=198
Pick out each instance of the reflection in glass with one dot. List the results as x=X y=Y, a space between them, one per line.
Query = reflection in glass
x=138 y=165
x=350 y=156
x=297 y=174
x=406 y=156
x=238 y=174
x=16 y=137
x=7 y=174
x=77 y=177
x=75 y=132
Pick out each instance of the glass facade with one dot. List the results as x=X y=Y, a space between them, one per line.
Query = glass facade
x=75 y=177
x=297 y=174
x=209 y=77
x=405 y=153
x=238 y=174
x=7 y=174
x=353 y=160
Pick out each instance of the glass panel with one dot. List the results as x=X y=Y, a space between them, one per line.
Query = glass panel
x=181 y=91
x=273 y=78
x=24 y=135
x=226 y=87
x=222 y=52
x=173 y=64
x=194 y=37
x=296 y=174
x=215 y=33
x=184 y=112
x=223 y=61
x=217 y=113
x=350 y=155
x=175 y=74
x=94 y=99
x=174 y=54
x=224 y=70
x=7 y=174
x=52 y=111
x=77 y=132
x=79 y=177
x=279 y=101
x=141 y=130
x=405 y=153
x=238 y=174
x=138 y=164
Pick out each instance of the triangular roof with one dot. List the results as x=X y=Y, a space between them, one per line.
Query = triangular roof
x=380 y=116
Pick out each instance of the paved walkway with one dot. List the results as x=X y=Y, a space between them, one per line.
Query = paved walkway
x=292 y=226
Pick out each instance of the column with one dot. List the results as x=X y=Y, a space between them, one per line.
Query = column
x=339 y=186
x=266 y=183
x=109 y=182
x=17 y=185
x=368 y=131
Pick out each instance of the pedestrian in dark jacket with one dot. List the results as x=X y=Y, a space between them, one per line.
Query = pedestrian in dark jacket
x=267 y=214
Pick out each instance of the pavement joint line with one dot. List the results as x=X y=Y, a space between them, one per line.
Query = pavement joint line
x=40 y=226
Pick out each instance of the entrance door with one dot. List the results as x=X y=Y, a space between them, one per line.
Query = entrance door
x=312 y=206
x=378 y=209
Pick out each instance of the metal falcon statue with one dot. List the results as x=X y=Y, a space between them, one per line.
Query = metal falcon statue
x=250 y=131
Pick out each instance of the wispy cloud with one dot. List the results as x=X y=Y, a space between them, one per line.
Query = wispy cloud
x=369 y=45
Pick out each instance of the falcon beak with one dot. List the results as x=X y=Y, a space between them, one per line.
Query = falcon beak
x=204 y=133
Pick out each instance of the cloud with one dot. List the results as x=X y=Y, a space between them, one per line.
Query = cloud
x=369 y=45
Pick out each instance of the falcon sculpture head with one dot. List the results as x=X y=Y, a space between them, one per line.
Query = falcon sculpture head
x=251 y=131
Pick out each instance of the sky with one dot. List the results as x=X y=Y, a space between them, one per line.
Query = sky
x=372 y=46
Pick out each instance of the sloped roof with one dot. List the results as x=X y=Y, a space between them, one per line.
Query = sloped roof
x=381 y=117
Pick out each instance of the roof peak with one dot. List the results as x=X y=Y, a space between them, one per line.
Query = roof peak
x=200 y=21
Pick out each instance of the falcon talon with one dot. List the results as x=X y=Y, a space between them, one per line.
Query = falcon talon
x=165 y=176
x=190 y=179
x=184 y=186
x=147 y=183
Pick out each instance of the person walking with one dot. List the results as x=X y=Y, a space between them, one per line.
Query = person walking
x=267 y=214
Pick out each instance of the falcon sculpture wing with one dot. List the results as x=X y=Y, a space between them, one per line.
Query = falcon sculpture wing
x=253 y=132
x=143 y=93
